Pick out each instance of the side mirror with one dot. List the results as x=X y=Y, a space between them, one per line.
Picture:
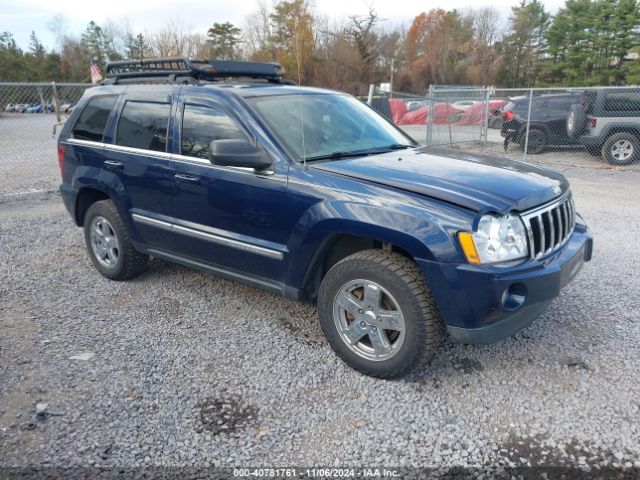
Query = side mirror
x=237 y=153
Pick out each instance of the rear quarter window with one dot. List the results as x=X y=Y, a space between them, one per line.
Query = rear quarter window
x=144 y=125
x=628 y=101
x=92 y=121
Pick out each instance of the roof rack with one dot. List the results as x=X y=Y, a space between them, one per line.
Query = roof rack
x=184 y=70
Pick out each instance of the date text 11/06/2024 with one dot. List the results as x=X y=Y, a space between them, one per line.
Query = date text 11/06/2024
x=316 y=472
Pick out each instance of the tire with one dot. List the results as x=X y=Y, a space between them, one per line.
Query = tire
x=576 y=121
x=108 y=243
x=537 y=141
x=621 y=149
x=400 y=298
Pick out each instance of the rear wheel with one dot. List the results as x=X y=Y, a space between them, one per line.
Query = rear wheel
x=378 y=314
x=537 y=141
x=108 y=243
x=621 y=149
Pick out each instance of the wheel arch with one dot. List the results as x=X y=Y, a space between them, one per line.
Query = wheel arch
x=335 y=248
x=533 y=126
x=86 y=197
x=621 y=128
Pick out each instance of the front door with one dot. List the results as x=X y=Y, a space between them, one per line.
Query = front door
x=229 y=218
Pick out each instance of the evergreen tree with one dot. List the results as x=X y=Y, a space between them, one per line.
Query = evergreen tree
x=93 y=45
x=136 y=46
x=224 y=39
x=524 y=45
x=589 y=42
x=13 y=65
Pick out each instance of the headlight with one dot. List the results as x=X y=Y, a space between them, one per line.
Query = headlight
x=497 y=239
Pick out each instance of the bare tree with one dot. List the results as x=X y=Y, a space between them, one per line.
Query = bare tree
x=176 y=39
x=486 y=60
x=361 y=30
x=257 y=33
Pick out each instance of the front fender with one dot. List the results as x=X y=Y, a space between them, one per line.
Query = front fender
x=426 y=237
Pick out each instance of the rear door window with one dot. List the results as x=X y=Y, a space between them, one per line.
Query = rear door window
x=202 y=125
x=93 y=119
x=560 y=103
x=144 y=125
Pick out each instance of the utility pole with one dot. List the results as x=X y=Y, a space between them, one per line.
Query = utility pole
x=391 y=79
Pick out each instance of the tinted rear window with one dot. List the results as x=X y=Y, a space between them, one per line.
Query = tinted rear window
x=93 y=119
x=561 y=103
x=144 y=125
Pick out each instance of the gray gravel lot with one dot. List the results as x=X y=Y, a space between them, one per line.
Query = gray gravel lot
x=179 y=368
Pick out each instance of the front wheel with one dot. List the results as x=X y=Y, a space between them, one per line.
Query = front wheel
x=378 y=314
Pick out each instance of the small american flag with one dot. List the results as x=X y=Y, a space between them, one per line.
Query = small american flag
x=96 y=73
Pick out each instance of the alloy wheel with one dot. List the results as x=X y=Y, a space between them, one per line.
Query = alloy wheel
x=104 y=242
x=622 y=150
x=369 y=320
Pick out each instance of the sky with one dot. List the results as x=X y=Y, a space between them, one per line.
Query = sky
x=20 y=17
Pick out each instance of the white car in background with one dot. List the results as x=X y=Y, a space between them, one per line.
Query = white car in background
x=464 y=104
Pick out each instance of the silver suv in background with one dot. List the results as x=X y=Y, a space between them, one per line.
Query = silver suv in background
x=607 y=122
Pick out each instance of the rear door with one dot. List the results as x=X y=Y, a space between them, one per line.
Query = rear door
x=230 y=218
x=137 y=163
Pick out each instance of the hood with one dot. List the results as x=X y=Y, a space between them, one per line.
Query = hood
x=478 y=182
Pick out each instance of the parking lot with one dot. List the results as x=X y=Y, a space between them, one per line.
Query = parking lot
x=179 y=368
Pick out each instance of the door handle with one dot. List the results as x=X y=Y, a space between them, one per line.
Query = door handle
x=112 y=164
x=186 y=178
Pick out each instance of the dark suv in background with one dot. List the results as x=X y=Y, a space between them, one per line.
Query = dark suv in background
x=607 y=122
x=549 y=114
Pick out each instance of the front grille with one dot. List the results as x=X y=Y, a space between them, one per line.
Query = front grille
x=550 y=226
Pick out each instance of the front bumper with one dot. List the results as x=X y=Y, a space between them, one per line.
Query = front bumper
x=470 y=297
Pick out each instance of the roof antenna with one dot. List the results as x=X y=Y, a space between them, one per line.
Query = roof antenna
x=304 y=153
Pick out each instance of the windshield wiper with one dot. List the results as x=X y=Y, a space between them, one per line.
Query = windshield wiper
x=359 y=153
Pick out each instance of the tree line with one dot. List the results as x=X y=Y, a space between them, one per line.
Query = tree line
x=587 y=42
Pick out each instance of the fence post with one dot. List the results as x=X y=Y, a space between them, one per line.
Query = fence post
x=487 y=98
x=526 y=140
x=372 y=88
x=430 y=117
x=56 y=102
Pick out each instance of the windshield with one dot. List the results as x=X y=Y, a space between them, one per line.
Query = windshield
x=334 y=125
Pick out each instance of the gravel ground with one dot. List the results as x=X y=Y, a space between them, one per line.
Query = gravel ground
x=178 y=368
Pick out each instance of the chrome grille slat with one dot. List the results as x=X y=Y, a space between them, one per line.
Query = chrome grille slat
x=552 y=230
x=561 y=222
x=543 y=234
x=559 y=216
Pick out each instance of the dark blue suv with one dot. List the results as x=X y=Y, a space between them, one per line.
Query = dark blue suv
x=311 y=194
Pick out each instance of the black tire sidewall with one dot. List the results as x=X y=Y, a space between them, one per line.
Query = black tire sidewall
x=530 y=149
x=413 y=347
x=606 y=148
x=102 y=209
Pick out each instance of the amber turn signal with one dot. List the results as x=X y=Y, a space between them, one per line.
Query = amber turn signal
x=468 y=247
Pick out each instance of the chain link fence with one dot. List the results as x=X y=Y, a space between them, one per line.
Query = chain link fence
x=571 y=125
x=599 y=125
x=28 y=114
